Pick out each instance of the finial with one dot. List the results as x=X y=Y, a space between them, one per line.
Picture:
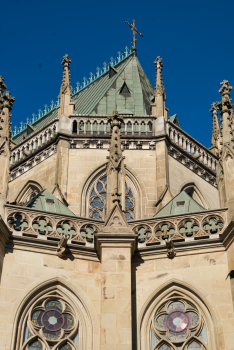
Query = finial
x=66 y=87
x=215 y=122
x=225 y=105
x=66 y=62
x=2 y=85
x=225 y=88
x=159 y=89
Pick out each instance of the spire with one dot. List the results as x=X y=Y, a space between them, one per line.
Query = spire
x=6 y=103
x=159 y=89
x=115 y=166
x=215 y=122
x=158 y=106
x=225 y=107
x=66 y=106
x=66 y=87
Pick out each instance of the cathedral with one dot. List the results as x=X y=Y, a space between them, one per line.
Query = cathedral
x=116 y=226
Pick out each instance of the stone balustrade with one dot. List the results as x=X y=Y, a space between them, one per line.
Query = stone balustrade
x=183 y=227
x=33 y=144
x=191 y=146
x=99 y=125
x=50 y=226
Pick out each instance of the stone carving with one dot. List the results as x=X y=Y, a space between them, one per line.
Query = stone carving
x=87 y=232
x=18 y=221
x=165 y=230
x=213 y=224
x=43 y=225
x=171 y=253
x=61 y=250
x=188 y=227
x=144 y=233
x=207 y=174
x=17 y=171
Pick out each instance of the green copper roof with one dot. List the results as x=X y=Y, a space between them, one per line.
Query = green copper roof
x=180 y=204
x=174 y=119
x=104 y=95
x=36 y=126
x=46 y=201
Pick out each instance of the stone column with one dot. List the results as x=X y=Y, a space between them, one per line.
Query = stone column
x=115 y=246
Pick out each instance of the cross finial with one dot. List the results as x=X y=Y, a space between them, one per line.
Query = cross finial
x=66 y=61
x=134 y=31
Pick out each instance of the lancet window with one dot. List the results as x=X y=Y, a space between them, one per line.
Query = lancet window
x=178 y=324
x=50 y=322
x=97 y=200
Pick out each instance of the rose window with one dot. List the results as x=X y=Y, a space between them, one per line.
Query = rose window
x=178 y=324
x=51 y=321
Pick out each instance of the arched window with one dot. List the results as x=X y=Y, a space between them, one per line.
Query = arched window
x=97 y=199
x=74 y=127
x=95 y=128
x=178 y=323
x=192 y=190
x=88 y=128
x=149 y=128
x=81 y=127
x=28 y=192
x=136 y=128
x=101 y=128
x=50 y=322
x=129 y=128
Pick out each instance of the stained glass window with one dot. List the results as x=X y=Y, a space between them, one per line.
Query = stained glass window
x=97 y=200
x=56 y=320
x=174 y=323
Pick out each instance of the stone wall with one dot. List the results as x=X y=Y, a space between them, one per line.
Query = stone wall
x=43 y=173
x=179 y=176
x=102 y=287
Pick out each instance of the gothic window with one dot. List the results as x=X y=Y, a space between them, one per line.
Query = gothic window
x=136 y=128
x=97 y=200
x=81 y=127
x=178 y=324
x=101 y=127
x=95 y=128
x=149 y=128
x=129 y=128
x=74 y=127
x=88 y=128
x=51 y=322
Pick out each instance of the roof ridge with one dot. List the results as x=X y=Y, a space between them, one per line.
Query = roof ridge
x=80 y=87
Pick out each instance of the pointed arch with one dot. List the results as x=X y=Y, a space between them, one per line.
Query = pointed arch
x=28 y=190
x=179 y=288
x=72 y=294
x=193 y=190
x=133 y=181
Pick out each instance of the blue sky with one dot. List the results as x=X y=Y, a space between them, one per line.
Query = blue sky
x=194 y=39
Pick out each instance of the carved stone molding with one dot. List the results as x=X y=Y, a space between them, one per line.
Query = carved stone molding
x=33 y=161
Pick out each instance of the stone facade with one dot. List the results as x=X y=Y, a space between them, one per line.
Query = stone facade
x=108 y=270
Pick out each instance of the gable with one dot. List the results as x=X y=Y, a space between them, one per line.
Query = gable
x=180 y=204
x=46 y=201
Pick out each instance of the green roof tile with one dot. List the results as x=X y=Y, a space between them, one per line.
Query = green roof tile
x=46 y=201
x=180 y=204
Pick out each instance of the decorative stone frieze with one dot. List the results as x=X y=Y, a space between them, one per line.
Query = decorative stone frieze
x=191 y=164
x=47 y=225
x=30 y=163
x=180 y=227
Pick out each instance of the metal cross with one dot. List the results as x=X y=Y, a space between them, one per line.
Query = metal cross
x=134 y=30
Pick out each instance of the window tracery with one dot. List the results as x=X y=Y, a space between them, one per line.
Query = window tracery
x=51 y=322
x=98 y=197
x=178 y=324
